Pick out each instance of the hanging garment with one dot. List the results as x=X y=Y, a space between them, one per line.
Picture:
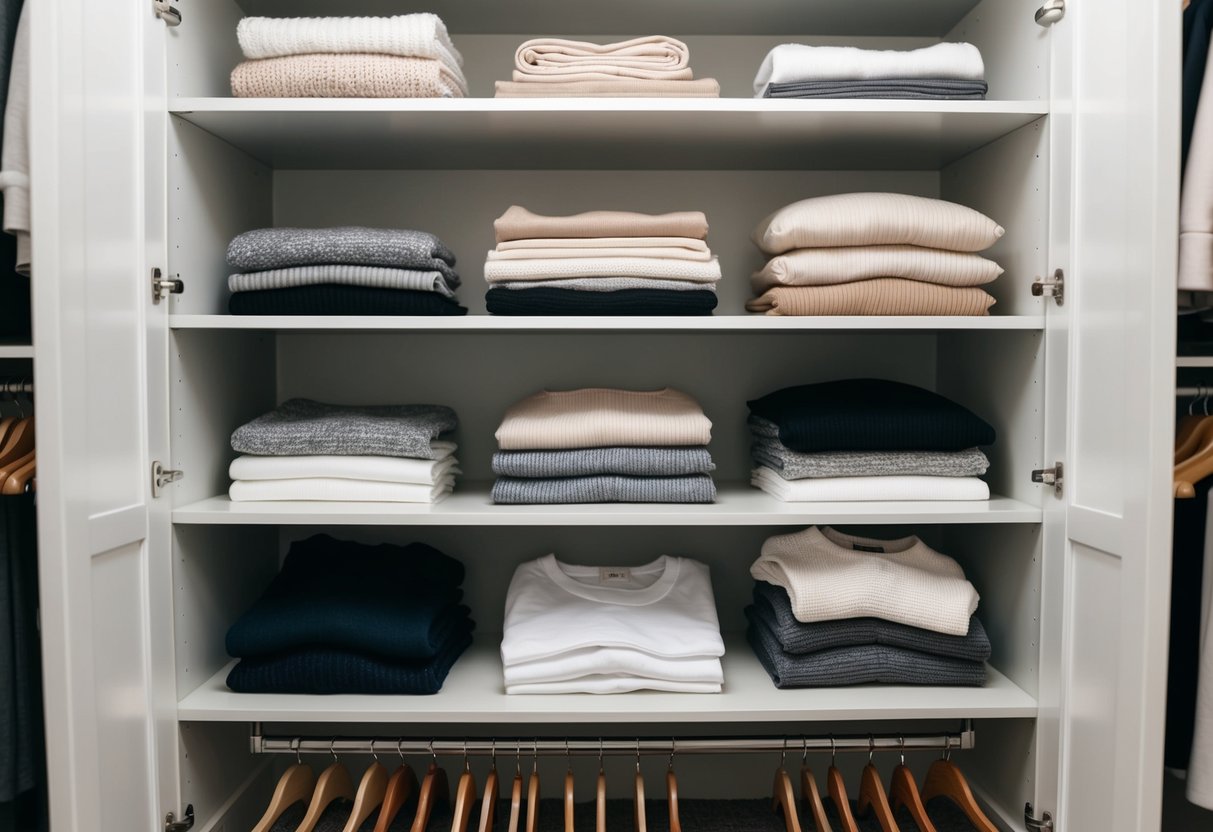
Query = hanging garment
x=1187 y=567
x=1200 y=766
x=1196 y=198
x=21 y=756
x=1198 y=25
x=14 y=157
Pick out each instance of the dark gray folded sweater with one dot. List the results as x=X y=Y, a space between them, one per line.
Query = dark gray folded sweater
x=277 y=248
x=633 y=462
x=606 y=488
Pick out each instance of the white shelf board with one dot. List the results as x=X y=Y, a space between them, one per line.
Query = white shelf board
x=503 y=323
x=16 y=351
x=598 y=134
x=474 y=693
x=1197 y=361
x=470 y=505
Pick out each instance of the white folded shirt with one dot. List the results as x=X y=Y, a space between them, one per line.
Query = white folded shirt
x=865 y=489
x=372 y=468
x=797 y=62
x=614 y=661
x=613 y=684
x=500 y=271
x=339 y=490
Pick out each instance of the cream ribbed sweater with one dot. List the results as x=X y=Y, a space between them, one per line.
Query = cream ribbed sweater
x=830 y=576
x=884 y=296
x=846 y=264
x=603 y=418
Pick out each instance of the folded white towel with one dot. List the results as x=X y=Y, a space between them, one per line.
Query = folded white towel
x=868 y=489
x=614 y=661
x=613 y=684
x=501 y=271
x=370 y=468
x=339 y=490
x=792 y=62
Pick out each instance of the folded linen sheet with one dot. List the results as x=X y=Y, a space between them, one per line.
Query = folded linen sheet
x=922 y=89
x=500 y=271
x=550 y=301
x=848 y=264
x=303 y=427
x=608 y=284
x=615 y=661
x=604 y=488
x=517 y=223
x=375 y=277
x=346 y=76
x=868 y=489
x=773 y=607
x=421 y=35
x=598 y=417
x=331 y=489
x=797 y=62
x=879 y=297
x=794 y=465
x=669 y=253
x=332 y=299
x=581 y=462
x=371 y=468
x=654 y=57
x=620 y=88
x=864 y=664
x=613 y=684
x=276 y=248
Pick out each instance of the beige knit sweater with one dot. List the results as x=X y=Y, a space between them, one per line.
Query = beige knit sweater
x=846 y=264
x=621 y=88
x=884 y=296
x=517 y=223
x=345 y=76
x=603 y=418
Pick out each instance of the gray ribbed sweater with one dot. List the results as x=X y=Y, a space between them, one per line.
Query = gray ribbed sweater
x=634 y=462
x=797 y=465
x=276 y=248
x=375 y=277
x=301 y=427
x=608 y=488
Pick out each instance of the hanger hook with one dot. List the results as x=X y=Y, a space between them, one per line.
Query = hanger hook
x=871 y=748
x=673 y=750
x=638 y=755
x=568 y=755
x=600 y=755
x=400 y=749
x=433 y=753
x=833 y=751
x=467 y=766
x=804 y=750
x=535 y=756
x=903 y=750
x=517 y=758
x=493 y=752
x=783 y=756
x=332 y=750
x=374 y=756
x=295 y=748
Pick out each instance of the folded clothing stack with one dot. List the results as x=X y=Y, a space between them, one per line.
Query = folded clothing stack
x=405 y=56
x=346 y=617
x=874 y=254
x=306 y=450
x=601 y=263
x=942 y=71
x=833 y=609
x=604 y=446
x=611 y=629
x=341 y=271
x=648 y=67
x=867 y=439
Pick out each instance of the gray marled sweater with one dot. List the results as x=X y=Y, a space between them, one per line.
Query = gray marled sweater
x=277 y=248
x=607 y=488
x=635 y=462
x=302 y=427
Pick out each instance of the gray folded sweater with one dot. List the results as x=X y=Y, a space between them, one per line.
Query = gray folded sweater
x=301 y=427
x=277 y=248
x=798 y=465
x=859 y=665
x=634 y=462
x=607 y=488
x=774 y=609
x=374 y=277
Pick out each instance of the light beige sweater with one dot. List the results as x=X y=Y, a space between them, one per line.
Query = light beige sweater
x=345 y=76
x=846 y=264
x=618 y=88
x=517 y=223
x=603 y=418
x=884 y=296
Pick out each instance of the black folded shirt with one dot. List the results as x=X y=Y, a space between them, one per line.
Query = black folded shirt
x=337 y=299
x=544 y=301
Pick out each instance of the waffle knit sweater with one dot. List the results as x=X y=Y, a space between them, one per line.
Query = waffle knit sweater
x=552 y=301
x=882 y=296
x=345 y=76
x=632 y=462
x=422 y=35
x=331 y=299
x=604 y=418
x=605 y=488
x=847 y=264
x=517 y=223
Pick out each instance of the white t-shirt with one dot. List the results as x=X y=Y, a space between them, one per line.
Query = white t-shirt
x=614 y=661
x=613 y=684
x=664 y=608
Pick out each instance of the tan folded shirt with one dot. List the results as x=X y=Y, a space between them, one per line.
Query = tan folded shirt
x=603 y=418
x=345 y=76
x=517 y=223
x=655 y=56
x=564 y=254
x=883 y=296
x=846 y=264
x=567 y=243
x=616 y=88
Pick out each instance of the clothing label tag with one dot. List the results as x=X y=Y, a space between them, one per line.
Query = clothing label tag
x=611 y=574
x=858 y=547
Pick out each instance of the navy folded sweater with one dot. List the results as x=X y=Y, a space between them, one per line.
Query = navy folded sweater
x=552 y=301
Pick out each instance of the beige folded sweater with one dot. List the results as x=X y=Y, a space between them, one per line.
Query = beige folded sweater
x=604 y=418
x=569 y=245
x=620 y=88
x=883 y=296
x=517 y=223
x=555 y=59
x=345 y=76
x=671 y=253
x=846 y=264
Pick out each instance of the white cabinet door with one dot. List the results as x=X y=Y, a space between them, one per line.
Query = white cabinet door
x=98 y=191
x=1115 y=117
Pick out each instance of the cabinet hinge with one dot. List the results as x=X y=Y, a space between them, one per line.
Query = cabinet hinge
x=172 y=17
x=1051 y=12
x=1044 y=823
x=171 y=824
x=162 y=286
x=1051 y=287
x=162 y=476
x=1050 y=476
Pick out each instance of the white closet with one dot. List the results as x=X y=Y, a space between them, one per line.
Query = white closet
x=142 y=161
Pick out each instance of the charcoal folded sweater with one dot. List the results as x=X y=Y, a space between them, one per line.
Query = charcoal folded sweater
x=277 y=248
x=333 y=299
x=393 y=601
x=633 y=462
x=543 y=301
x=795 y=465
x=607 y=488
x=916 y=88
x=773 y=608
x=870 y=415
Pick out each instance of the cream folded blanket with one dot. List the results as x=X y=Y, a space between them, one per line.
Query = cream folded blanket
x=346 y=76
x=603 y=418
x=883 y=296
x=611 y=284
x=371 y=468
x=501 y=271
x=555 y=59
x=796 y=62
x=622 y=88
x=672 y=253
x=375 y=277
x=846 y=264
x=868 y=489
x=339 y=490
x=570 y=245
x=517 y=223
x=421 y=35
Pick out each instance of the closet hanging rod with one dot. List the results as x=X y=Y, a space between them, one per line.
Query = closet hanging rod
x=23 y=385
x=592 y=747
x=1193 y=392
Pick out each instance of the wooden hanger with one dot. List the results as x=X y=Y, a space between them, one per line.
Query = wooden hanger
x=601 y=797
x=400 y=787
x=488 y=806
x=1190 y=430
x=1196 y=467
x=903 y=791
x=532 y=794
x=434 y=790
x=810 y=795
x=568 y=800
x=640 y=821
x=295 y=786
x=872 y=796
x=18 y=443
x=369 y=797
x=944 y=779
x=334 y=783
x=837 y=789
x=465 y=798
x=671 y=791
x=20 y=479
x=516 y=793
x=783 y=798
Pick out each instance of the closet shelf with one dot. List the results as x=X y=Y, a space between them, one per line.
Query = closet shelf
x=498 y=323
x=473 y=693
x=737 y=505
x=16 y=351
x=1196 y=361
x=614 y=134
